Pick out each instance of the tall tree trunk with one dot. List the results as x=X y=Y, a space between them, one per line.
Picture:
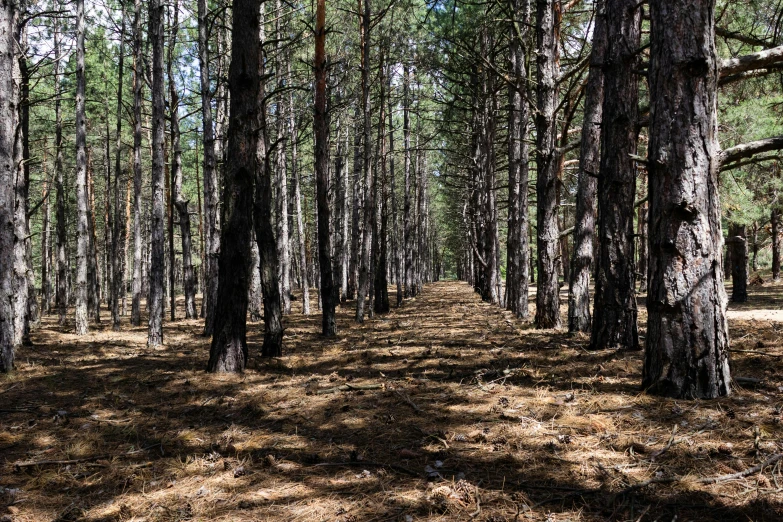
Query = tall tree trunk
x=579 y=318
x=321 y=131
x=614 y=322
x=82 y=231
x=396 y=250
x=281 y=174
x=254 y=294
x=353 y=269
x=517 y=277
x=755 y=246
x=262 y=217
x=300 y=226
x=775 y=223
x=138 y=228
x=547 y=39
x=738 y=243
x=228 y=352
x=46 y=240
x=118 y=233
x=643 y=249
x=157 y=260
x=686 y=353
x=365 y=274
x=407 y=225
x=178 y=200
x=21 y=291
x=61 y=290
x=94 y=284
x=9 y=106
x=381 y=283
x=128 y=223
x=211 y=187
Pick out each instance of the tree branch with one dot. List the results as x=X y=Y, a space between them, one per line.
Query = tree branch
x=746 y=150
x=750 y=62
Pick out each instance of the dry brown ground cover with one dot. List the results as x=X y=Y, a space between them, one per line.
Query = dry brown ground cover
x=445 y=409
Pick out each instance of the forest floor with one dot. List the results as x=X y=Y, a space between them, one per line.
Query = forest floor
x=444 y=409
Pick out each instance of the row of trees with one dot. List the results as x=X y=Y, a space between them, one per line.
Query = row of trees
x=212 y=151
x=615 y=125
x=383 y=144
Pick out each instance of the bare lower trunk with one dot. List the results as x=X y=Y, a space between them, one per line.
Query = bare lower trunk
x=9 y=105
x=516 y=298
x=738 y=243
x=179 y=201
x=138 y=228
x=262 y=216
x=321 y=131
x=94 y=284
x=365 y=272
x=21 y=283
x=255 y=301
x=775 y=224
x=157 y=260
x=82 y=224
x=407 y=227
x=643 y=250
x=547 y=29
x=579 y=317
x=61 y=290
x=228 y=352
x=353 y=269
x=300 y=227
x=118 y=232
x=395 y=242
x=211 y=212
x=614 y=321
x=686 y=353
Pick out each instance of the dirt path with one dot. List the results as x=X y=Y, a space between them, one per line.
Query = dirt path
x=445 y=409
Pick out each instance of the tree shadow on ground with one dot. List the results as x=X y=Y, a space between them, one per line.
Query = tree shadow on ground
x=465 y=413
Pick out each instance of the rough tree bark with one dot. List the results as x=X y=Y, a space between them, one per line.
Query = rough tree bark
x=738 y=243
x=775 y=224
x=255 y=301
x=396 y=250
x=228 y=352
x=138 y=231
x=579 y=317
x=321 y=131
x=614 y=321
x=9 y=106
x=179 y=201
x=82 y=225
x=300 y=228
x=157 y=260
x=547 y=39
x=381 y=283
x=686 y=353
x=61 y=290
x=365 y=274
x=643 y=250
x=353 y=268
x=281 y=174
x=262 y=217
x=517 y=275
x=46 y=241
x=407 y=219
x=22 y=281
x=211 y=211
x=118 y=232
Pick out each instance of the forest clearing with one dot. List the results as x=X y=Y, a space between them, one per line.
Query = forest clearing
x=445 y=409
